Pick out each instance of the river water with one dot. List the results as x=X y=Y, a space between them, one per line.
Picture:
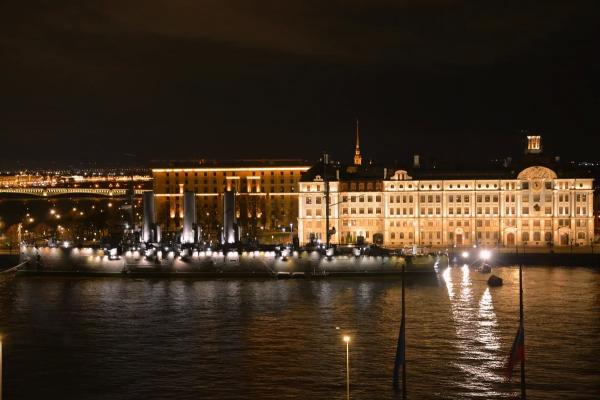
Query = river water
x=112 y=338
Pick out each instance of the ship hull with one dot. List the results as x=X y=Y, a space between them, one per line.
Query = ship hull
x=253 y=263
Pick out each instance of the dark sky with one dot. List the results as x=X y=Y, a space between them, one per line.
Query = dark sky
x=170 y=79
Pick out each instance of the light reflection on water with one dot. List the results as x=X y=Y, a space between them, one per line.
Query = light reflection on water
x=229 y=339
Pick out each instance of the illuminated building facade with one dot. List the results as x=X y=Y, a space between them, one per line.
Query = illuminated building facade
x=266 y=195
x=533 y=206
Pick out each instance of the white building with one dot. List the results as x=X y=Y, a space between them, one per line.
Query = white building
x=534 y=207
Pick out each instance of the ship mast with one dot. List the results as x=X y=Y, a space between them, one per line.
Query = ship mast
x=326 y=188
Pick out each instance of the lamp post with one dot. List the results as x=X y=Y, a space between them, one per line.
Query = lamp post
x=0 y=367
x=347 y=341
x=414 y=224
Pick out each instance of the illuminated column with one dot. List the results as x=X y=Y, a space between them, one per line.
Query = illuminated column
x=189 y=217
x=149 y=216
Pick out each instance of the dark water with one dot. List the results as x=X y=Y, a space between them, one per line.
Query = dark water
x=158 y=339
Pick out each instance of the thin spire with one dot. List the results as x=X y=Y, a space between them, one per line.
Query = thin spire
x=357 y=156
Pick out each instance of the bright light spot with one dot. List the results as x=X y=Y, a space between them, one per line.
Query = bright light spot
x=465 y=254
x=486 y=255
x=347 y=339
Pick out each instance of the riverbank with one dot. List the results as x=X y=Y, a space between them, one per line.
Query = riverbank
x=532 y=258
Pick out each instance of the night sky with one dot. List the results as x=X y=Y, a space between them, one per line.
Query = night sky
x=182 y=79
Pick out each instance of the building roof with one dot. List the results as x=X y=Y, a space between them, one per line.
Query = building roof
x=379 y=172
x=228 y=164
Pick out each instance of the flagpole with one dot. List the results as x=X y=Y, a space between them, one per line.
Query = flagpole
x=403 y=324
x=523 y=389
x=400 y=361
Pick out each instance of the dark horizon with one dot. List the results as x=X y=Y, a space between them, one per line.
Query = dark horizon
x=171 y=80
x=450 y=160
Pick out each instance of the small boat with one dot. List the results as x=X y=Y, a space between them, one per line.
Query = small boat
x=495 y=281
x=485 y=268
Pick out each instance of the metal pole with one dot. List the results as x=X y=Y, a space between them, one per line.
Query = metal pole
x=0 y=368
x=523 y=388
x=403 y=324
x=347 y=370
x=326 y=188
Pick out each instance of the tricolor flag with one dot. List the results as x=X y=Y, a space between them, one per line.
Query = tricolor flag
x=400 y=356
x=517 y=352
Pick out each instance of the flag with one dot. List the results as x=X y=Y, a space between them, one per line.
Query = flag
x=400 y=356
x=517 y=352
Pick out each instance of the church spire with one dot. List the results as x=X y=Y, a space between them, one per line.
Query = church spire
x=357 y=156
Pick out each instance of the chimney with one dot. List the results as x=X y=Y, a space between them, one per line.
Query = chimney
x=150 y=231
x=189 y=217
x=229 y=220
x=417 y=161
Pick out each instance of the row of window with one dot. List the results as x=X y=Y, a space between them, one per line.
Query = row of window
x=224 y=181
x=361 y=211
x=525 y=236
x=354 y=186
x=253 y=189
x=231 y=173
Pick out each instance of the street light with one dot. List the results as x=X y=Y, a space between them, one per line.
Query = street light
x=0 y=367
x=486 y=255
x=347 y=341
